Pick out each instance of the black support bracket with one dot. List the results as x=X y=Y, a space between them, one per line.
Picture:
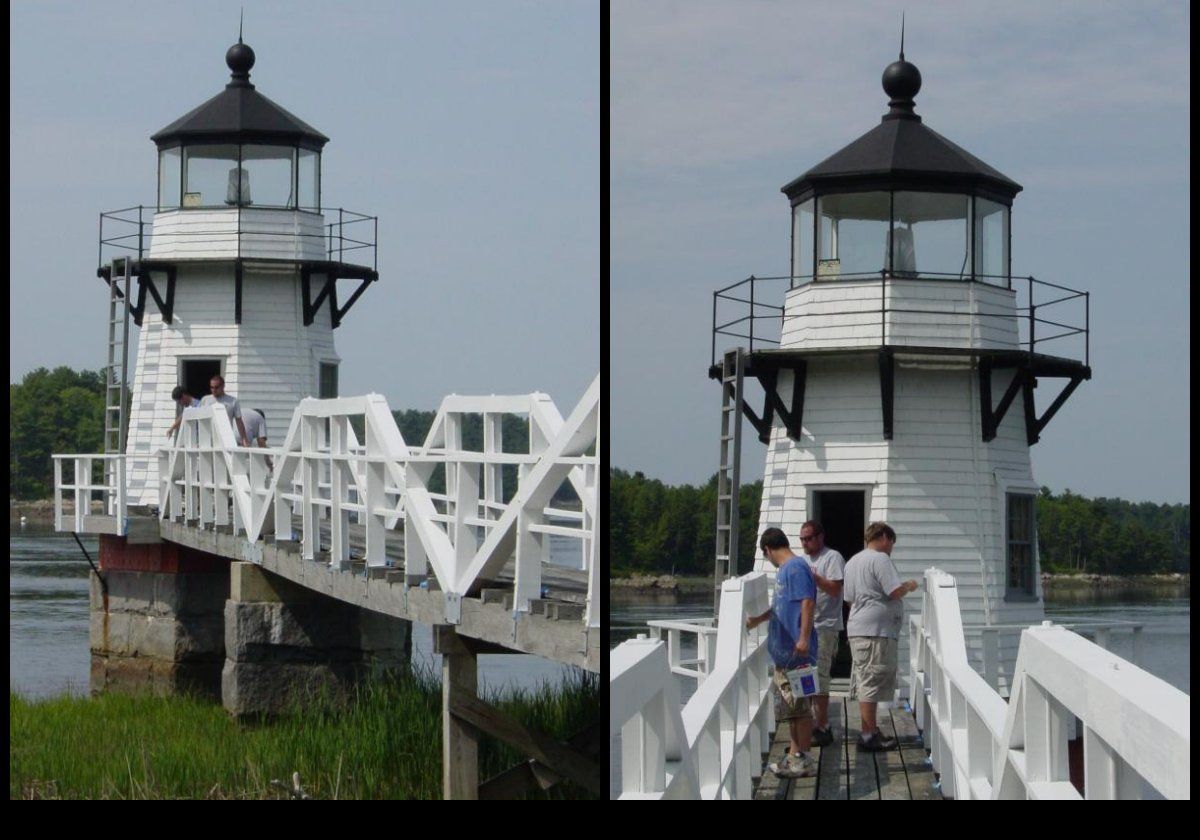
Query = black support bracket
x=887 y=389
x=791 y=417
x=237 y=292
x=992 y=417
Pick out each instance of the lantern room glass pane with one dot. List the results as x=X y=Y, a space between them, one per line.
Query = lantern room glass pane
x=852 y=233
x=310 y=172
x=269 y=176
x=930 y=235
x=210 y=173
x=170 y=164
x=802 y=241
x=991 y=242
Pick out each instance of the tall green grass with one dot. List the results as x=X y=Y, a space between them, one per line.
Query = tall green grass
x=382 y=743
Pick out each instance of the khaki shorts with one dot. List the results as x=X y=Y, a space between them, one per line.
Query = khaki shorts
x=873 y=677
x=788 y=707
x=827 y=645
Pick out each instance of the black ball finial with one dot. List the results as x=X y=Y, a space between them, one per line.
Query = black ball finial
x=901 y=82
x=240 y=58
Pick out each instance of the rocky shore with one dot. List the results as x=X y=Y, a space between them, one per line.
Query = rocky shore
x=1052 y=582
x=42 y=510
x=646 y=583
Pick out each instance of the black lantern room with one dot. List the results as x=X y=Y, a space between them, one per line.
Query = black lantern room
x=902 y=201
x=239 y=149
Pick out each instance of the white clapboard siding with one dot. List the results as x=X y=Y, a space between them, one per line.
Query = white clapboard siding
x=918 y=313
x=936 y=482
x=213 y=234
x=271 y=358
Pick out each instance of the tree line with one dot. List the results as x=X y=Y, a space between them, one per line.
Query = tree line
x=661 y=528
x=62 y=411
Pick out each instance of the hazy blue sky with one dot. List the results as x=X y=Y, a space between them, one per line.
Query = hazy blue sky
x=716 y=105
x=472 y=129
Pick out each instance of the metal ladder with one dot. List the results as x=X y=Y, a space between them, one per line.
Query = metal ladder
x=116 y=408
x=728 y=470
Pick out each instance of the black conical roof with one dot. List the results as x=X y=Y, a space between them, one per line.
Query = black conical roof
x=240 y=114
x=902 y=153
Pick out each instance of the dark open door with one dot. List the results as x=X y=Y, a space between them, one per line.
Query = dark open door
x=195 y=374
x=843 y=515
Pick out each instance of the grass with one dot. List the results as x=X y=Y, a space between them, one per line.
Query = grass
x=384 y=743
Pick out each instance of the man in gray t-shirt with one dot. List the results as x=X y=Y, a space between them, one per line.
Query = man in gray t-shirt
x=217 y=386
x=827 y=565
x=873 y=590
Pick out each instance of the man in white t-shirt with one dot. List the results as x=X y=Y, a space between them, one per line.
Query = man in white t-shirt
x=217 y=387
x=827 y=565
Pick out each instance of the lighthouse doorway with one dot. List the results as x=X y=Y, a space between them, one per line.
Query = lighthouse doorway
x=843 y=515
x=194 y=375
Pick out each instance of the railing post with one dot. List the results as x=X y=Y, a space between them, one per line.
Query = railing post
x=751 y=313
x=1032 y=319
x=1087 y=329
x=1138 y=646
x=883 y=308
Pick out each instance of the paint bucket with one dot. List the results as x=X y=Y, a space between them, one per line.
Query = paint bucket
x=803 y=681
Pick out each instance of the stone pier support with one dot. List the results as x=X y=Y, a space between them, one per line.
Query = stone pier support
x=157 y=619
x=283 y=642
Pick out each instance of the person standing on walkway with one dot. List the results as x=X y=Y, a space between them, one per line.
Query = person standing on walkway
x=792 y=643
x=216 y=386
x=182 y=400
x=873 y=590
x=828 y=566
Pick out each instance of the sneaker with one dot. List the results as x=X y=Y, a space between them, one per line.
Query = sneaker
x=794 y=767
x=822 y=737
x=878 y=742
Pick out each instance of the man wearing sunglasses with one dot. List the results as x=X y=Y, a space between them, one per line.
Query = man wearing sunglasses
x=217 y=394
x=828 y=567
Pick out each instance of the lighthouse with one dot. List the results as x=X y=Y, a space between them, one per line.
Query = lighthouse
x=234 y=272
x=898 y=371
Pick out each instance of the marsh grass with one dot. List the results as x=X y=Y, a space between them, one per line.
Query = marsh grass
x=382 y=743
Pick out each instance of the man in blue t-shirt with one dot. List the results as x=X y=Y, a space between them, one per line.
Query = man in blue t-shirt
x=792 y=643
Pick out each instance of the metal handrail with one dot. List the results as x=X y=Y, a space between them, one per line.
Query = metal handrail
x=336 y=241
x=1030 y=313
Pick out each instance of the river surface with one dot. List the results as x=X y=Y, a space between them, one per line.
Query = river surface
x=48 y=619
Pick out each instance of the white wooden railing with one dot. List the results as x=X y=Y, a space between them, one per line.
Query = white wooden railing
x=1136 y=727
x=81 y=487
x=705 y=631
x=325 y=474
x=710 y=748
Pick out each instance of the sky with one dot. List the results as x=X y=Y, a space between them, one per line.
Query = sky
x=716 y=105
x=471 y=129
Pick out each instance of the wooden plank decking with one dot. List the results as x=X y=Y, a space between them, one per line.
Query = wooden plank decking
x=846 y=773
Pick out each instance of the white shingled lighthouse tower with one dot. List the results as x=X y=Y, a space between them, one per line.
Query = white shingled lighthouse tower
x=236 y=271
x=899 y=370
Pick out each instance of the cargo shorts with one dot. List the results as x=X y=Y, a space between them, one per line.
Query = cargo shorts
x=827 y=645
x=873 y=677
x=787 y=706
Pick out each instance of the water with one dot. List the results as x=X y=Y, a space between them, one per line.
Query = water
x=48 y=619
x=1167 y=623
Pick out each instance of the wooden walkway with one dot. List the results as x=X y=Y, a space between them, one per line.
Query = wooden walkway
x=846 y=773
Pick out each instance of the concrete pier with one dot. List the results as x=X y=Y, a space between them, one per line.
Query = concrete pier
x=284 y=642
x=157 y=619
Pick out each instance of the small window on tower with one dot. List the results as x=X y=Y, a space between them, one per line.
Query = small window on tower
x=1022 y=536
x=328 y=386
